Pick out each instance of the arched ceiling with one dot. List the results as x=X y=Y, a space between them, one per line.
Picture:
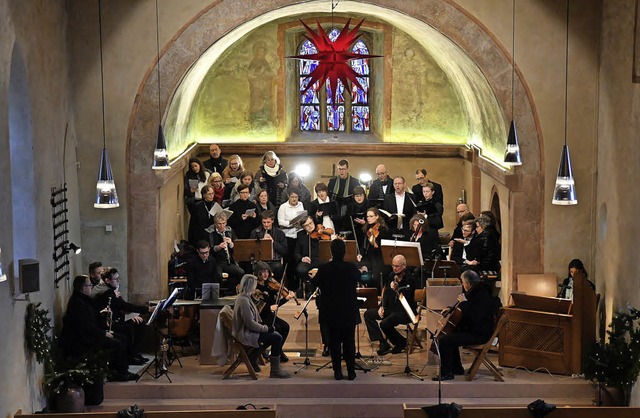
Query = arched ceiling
x=485 y=124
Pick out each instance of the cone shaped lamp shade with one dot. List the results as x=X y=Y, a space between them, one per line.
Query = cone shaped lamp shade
x=512 y=154
x=106 y=195
x=3 y=277
x=160 y=155
x=565 y=190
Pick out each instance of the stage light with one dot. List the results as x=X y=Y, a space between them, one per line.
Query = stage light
x=73 y=247
x=303 y=170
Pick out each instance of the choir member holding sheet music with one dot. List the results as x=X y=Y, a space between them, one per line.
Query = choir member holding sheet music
x=399 y=208
x=244 y=218
x=324 y=210
x=201 y=216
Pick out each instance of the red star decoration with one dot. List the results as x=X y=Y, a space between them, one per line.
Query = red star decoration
x=333 y=57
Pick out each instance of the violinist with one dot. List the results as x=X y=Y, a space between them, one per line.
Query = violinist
x=426 y=235
x=324 y=210
x=391 y=313
x=269 y=288
x=268 y=231
x=375 y=230
x=307 y=250
x=475 y=327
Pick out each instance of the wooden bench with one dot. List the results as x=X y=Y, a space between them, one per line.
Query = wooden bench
x=249 y=413
x=523 y=412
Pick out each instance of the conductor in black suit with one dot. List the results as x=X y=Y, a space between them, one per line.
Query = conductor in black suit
x=337 y=281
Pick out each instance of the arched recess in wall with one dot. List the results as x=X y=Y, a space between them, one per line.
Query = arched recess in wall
x=196 y=37
x=21 y=156
x=495 y=208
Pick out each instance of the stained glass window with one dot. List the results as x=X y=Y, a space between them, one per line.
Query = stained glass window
x=335 y=115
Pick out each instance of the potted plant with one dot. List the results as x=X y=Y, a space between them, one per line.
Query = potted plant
x=65 y=379
x=616 y=363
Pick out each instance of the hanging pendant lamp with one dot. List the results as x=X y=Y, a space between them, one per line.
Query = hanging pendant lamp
x=106 y=195
x=565 y=191
x=160 y=154
x=512 y=152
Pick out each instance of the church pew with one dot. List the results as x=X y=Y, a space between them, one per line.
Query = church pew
x=250 y=413
x=523 y=412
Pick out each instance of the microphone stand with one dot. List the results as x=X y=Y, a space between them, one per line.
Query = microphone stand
x=304 y=312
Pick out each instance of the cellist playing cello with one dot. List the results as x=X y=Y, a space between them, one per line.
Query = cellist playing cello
x=475 y=326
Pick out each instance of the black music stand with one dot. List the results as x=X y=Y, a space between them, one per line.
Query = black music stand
x=413 y=319
x=304 y=312
x=446 y=269
x=252 y=250
x=160 y=363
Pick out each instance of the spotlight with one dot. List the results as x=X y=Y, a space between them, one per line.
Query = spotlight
x=73 y=247
x=365 y=178
x=302 y=170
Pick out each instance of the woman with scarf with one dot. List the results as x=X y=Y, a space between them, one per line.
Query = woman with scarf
x=272 y=178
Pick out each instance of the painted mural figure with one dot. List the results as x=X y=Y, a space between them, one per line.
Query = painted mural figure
x=261 y=81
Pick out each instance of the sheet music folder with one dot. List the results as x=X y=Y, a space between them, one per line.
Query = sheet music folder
x=541 y=303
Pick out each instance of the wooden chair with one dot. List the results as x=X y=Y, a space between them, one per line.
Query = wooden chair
x=241 y=351
x=481 y=350
x=412 y=335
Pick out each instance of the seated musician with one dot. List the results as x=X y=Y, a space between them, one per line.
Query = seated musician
x=427 y=237
x=327 y=214
x=485 y=249
x=478 y=310
x=431 y=208
x=370 y=258
x=464 y=249
x=268 y=231
x=244 y=218
x=131 y=329
x=391 y=313
x=401 y=206
x=221 y=240
x=268 y=286
x=341 y=186
x=202 y=269
x=248 y=329
x=566 y=288
x=82 y=332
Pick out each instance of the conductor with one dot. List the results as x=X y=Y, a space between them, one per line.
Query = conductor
x=337 y=281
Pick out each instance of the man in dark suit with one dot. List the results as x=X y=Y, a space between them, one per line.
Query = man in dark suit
x=381 y=187
x=201 y=269
x=400 y=203
x=268 y=231
x=216 y=163
x=421 y=177
x=337 y=281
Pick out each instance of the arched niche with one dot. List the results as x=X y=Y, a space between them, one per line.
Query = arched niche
x=153 y=193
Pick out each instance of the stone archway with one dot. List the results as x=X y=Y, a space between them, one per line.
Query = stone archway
x=147 y=251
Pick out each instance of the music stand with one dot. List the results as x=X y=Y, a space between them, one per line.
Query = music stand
x=252 y=250
x=304 y=312
x=160 y=363
x=351 y=254
x=448 y=269
x=413 y=319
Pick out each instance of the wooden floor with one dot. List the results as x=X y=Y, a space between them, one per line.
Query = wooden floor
x=314 y=393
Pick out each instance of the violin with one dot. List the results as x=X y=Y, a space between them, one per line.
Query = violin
x=322 y=233
x=372 y=234
x=275 y=285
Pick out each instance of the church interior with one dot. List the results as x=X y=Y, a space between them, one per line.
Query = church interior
x=78 y=77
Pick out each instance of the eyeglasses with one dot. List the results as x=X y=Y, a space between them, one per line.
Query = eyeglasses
x=342 y=168
x=395 y=266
